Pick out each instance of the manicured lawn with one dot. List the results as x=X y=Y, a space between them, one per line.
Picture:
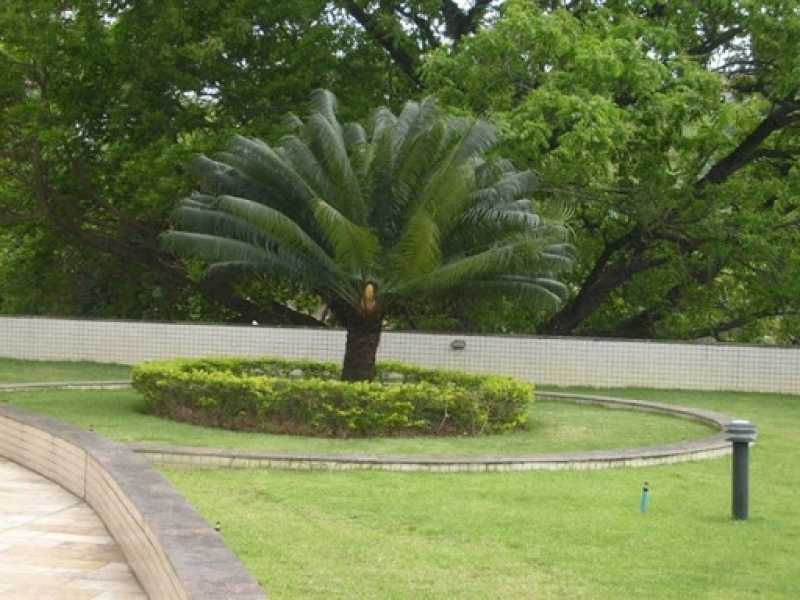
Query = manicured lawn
x=571 y=534
x=554 y=426
x=33 y=371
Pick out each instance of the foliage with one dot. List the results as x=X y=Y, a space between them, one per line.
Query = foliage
x=566 y=534
x=121 y=415
x=671 y=126
x=261 y=395
x=366 y=218
x=674 y=127
x=101 y=105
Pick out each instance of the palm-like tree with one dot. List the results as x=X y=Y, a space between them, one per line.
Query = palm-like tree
x=365 y=218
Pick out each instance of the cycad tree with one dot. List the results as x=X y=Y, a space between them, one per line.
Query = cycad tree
x=366 y=218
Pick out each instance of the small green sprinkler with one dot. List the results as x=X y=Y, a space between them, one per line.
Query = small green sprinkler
x=645 y=498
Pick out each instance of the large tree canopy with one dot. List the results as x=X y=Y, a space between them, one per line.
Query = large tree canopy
x=103 y=102
x=674 y=127
x=366 y=218
x=671 y=126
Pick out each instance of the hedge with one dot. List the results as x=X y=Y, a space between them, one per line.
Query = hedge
x=308 y=398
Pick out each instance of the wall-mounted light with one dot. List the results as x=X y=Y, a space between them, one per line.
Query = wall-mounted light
x=458 y=344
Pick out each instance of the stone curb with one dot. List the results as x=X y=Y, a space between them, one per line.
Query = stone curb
x=66 y=385
x=705 y=448
x=170 y=548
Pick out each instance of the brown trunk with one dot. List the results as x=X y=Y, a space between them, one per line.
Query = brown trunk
x=363 y=337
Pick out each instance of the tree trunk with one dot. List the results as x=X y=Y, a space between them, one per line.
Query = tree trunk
x=363 y=337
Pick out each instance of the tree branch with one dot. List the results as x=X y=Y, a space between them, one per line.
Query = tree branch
x=740 y=321
x=785 y=113
x=712 y=43
x=605 y=277
x=459 y=23
x=422 y=25
x=396 y=45
x=143 y=250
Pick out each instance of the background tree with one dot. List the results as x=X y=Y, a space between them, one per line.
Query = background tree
x=674 y=126
x=103 y=102
x=365 y=219
x=407 y=30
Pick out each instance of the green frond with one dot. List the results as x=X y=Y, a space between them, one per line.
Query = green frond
x=328 y=146
x=198 y=200
x=548 y=293
x=297 y=153
x=519 y=255
x=447 y=194
x=324 y=103
x=380 y=182
x=418 y=250
x=381 y=121
x=508 y=187
x=194 y=219
x=212 y=248
x=356 y=249
x=479 y=138
x=220 y=178
x=411 y=203
x=264 y=164
x=280 y=228
x=354 y=135
x=292 y=122
x=459 y=270
x=403 y=125
x=413 y=170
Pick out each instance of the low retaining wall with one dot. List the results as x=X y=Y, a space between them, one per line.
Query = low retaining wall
x=170 y=548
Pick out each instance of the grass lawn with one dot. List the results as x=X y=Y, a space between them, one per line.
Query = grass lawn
x=554 y=426
x=570 y=534
x=34 y=371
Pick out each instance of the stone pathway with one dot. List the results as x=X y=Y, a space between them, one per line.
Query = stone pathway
x=54 y=547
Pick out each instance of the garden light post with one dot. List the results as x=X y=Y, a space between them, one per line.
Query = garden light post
x=741 y=433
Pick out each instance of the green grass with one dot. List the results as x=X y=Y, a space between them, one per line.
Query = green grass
x=571 y=534
x=34 y=371
x=554 y=426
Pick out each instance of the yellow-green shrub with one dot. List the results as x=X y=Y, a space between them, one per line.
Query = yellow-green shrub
x=262 y=395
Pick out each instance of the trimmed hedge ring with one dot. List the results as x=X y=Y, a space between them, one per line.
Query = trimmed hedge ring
x=308 y=398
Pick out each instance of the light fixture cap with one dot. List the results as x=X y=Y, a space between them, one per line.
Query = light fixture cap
x=741 y=431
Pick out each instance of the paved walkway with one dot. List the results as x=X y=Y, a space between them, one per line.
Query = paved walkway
x=54 y=547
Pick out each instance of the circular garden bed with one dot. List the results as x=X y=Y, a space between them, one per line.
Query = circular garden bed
x=308 y=398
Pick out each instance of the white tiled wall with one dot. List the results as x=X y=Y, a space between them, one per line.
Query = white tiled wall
x=552 y=361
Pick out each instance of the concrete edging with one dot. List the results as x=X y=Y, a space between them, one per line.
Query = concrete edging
x=170 y=548
x=705 y=448
x=709 y=447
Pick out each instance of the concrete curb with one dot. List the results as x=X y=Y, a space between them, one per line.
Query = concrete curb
x=705 y=448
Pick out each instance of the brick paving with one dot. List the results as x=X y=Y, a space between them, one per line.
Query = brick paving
x=53 y=546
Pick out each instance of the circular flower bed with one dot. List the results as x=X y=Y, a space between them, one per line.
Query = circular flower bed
x=308 y=398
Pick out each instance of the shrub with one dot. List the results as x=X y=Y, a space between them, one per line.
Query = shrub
x=271 y=395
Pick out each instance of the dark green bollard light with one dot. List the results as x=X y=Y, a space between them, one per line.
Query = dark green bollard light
x=741 y=433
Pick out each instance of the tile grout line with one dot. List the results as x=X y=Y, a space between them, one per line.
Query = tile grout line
x=40 y=517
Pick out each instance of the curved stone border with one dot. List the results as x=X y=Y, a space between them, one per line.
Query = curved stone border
x=709 y=447
x=170 y=548
x=66 y=385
